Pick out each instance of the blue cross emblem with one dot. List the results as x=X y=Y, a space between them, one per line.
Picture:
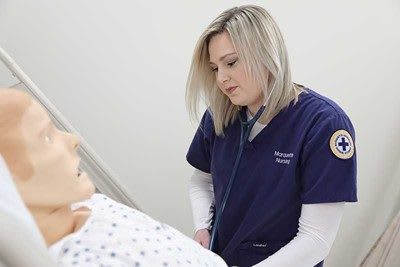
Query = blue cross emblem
x=343 y=144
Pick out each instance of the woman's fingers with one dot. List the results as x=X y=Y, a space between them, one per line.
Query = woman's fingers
x=202 y=236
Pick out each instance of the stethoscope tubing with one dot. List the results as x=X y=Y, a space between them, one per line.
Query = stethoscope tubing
x=245 y=130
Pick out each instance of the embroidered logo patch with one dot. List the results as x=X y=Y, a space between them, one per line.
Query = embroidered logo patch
x=342 y=144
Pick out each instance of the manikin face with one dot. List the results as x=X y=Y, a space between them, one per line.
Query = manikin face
x=53 y=154
x=230 y=73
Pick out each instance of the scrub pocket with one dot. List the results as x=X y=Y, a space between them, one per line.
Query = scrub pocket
x=252 y=252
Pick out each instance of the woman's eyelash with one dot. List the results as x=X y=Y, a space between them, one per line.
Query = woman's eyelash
x=232 y=63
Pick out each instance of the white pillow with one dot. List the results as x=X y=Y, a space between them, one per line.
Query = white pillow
x=21 y=243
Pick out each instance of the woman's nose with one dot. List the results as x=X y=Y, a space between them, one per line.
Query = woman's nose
x=222 y=76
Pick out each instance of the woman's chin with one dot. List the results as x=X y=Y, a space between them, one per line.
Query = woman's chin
x=237 y=102
x=235 y=99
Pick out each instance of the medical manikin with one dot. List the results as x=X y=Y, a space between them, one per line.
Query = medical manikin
x=81 y=228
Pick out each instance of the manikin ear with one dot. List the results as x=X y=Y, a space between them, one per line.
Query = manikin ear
x=12 y=147
x=19 y=231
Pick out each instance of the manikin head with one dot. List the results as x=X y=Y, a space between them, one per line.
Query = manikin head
x=42 y=159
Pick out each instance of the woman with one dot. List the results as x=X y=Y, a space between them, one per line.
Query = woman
x=298 y=165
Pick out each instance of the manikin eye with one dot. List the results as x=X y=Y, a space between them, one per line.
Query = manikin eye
x=48 y=139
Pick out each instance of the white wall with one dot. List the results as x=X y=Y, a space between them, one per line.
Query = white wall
x=117 y=71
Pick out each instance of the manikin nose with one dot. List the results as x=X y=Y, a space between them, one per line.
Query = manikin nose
x=74 y=141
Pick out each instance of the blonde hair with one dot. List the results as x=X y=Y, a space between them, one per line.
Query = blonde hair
x=260 y=46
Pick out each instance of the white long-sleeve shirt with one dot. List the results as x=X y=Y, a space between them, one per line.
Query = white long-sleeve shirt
x=318 y=223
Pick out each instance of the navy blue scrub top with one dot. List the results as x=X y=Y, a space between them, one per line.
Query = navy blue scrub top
x=304 y=155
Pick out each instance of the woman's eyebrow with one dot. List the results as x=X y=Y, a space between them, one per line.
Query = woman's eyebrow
x=223 y=57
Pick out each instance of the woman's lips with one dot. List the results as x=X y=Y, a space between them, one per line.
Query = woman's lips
x=230 y=90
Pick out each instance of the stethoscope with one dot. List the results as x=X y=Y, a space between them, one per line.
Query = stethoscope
x=245 y=130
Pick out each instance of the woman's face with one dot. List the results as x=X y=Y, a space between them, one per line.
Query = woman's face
x=53 y=154
x=230 y=73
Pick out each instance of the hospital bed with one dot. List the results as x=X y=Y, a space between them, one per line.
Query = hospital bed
x=20 y=241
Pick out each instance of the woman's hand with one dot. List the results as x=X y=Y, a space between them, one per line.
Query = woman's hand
x=202 y=236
